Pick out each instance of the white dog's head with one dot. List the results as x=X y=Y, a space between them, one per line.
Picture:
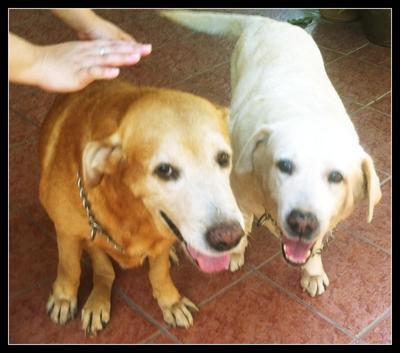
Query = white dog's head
x=312 y=175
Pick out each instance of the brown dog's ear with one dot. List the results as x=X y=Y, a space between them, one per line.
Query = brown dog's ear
x=99 y=158
x=371 y=185
x=244 y=162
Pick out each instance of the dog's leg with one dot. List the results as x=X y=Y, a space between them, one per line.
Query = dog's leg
x=237 y=258
x=62 y=303
x=175 y=308
x=313 y=277
x=96 y=311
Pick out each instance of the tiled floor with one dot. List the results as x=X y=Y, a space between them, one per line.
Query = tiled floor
x=262 y=303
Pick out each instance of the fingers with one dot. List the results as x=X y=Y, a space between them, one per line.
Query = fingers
x=103 y=53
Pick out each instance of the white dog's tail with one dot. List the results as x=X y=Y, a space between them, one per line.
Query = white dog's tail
x=211 y=22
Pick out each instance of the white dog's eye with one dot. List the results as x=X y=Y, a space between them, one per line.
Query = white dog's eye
x=166 y=172
x=335 y=177
x=285 y=166
x=223 y=159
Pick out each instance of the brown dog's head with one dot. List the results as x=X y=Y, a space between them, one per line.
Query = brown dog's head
x=172 y=151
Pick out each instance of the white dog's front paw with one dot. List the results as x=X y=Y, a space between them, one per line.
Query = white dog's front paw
x=237 y=261
x=314 y=285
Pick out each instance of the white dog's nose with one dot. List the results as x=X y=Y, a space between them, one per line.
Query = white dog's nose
x=224 y=236
x=302 y=224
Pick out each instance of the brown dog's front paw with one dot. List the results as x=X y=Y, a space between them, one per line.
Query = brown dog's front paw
x=178 y=314
x=61 y=310
x=95 y=315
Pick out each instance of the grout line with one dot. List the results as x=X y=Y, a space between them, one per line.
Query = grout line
x=343 y=55
x=23 y=210
x=155 y=335
x=386 y=180
x=198 y=73
x=354 y=50
x=374 y=323
x=278 y=253
x=369 y=242
x=304 y=303
x=24 y=118
x=223 y=290
x=19 y=293
x=368 y=105
x=135 y=307
x=152 y=336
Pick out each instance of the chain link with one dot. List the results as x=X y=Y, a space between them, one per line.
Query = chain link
x=94 y=225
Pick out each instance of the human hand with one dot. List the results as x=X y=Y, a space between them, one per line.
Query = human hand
x=72 y=66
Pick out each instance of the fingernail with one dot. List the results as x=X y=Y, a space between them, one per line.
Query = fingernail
x=113 y=71
x=134 y=56
x=146 y=48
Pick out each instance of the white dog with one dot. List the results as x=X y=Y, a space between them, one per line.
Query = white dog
x=298 y=165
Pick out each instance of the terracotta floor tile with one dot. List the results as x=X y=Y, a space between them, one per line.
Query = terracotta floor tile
x=372 y=53
x=215 y=83
x=21 y=16
x=31 y=102
x=24 y=174
x=381 y=334
x=30 y=309
x=384 y=104
x=178 y=62
x=374 y=130
x=340 y=37
x=45 y=29
x=350 y=105
x=254 y=312
x=379 y=230
x=189 y=281
x=33 y=257
x=155 y=29
x=360 y=283
x=262 y=246
x=125 y=15
x=329 y=55
x=161 y=339
x=388 y=63
x=37 y=215
x=359 y=80
x=20 y=130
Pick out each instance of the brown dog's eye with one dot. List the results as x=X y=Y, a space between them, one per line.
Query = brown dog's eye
x=223 y=159
x=335 y=177
x=166 y=172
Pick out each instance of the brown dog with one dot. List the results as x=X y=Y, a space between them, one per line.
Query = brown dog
x=125 y=171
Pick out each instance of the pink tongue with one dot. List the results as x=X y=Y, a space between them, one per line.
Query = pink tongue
x=296 y=250
x=207 y=263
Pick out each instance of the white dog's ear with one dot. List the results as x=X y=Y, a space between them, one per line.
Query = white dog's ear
x=224 y=111
x=244 y=163
x=371 y=184
x=99 y=158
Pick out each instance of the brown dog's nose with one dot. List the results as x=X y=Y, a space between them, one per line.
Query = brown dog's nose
x=224 y=236
x=302 y=224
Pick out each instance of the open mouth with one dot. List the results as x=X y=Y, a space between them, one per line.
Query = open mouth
x=295 y=251
x=205 y=263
